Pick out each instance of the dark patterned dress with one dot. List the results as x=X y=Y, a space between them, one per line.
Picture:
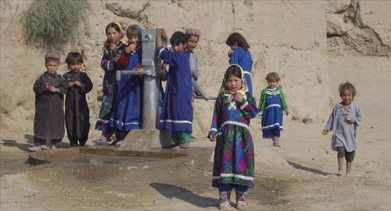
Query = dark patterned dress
x=234 y=152
x=109 y=66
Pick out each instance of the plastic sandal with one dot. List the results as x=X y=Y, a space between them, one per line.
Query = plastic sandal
x=241 y=205
x=225 y=205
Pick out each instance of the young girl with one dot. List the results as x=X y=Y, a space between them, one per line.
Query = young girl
x=126 y=114
x=239 y=54
x=271 y=105
x=177 y=112
x=233 y=165
x=111 y=54
x=77 y=114
x=49 y=89
x=343 y=121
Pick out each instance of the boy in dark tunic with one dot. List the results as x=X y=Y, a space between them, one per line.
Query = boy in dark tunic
x=77 y=114
x=49 y=91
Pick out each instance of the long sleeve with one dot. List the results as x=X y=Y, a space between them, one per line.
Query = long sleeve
x=249 y=107
x=197 y=65
x=86 y=84
x=359 y=116
x=284 y=105
x=39 y=87
x=235 y=58
x=63 y=86
x=123 y=60
x=262 y=101
x=330 y=122
x=215 y=120
x=166 y=55
x=106 y=63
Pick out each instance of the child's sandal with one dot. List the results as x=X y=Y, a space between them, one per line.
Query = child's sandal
x=182 y=147
x=241 y=205
x=225 y=205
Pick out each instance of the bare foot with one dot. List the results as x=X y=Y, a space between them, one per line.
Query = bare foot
x=339 y=173
x=182 y=147
x=348 y=175
x=34 y=149
x=53 y=147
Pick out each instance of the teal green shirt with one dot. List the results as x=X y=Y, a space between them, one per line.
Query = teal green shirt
x=265 y=91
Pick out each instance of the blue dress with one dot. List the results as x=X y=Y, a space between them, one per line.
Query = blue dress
x=126 y=114
x=272 y=104
x=177 y=113
x=243 y=58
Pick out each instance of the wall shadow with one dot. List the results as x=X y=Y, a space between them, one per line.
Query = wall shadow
x=301 y=167
x=172 y=191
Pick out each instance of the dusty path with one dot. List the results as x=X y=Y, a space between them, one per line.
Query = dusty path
x=298 y=176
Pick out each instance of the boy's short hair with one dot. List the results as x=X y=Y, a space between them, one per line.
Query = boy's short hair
x=53 y=56
x=272 y=76
x=133 y=30
x=73 y=58
x=347 y=86
x=177 y=38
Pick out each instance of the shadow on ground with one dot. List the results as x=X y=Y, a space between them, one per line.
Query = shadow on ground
x=301 y=167
x=172 y=191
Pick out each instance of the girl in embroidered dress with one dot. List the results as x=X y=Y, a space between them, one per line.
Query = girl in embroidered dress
x=112 y=49
x=233 y=165
x=239 y=54
x=343 y=121
x=271 y=105
x=126 y=112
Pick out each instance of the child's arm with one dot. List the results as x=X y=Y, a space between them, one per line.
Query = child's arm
x=234 y=58
x=109 y=62
x=262 y=101
x=215 y=120
x=284 y=105
x=359 y=117
x=329 y=124
x=39 y=87
x=248 y=107
x=123 y=60
x=63 y=86
x=85 y=84
x=197 y=66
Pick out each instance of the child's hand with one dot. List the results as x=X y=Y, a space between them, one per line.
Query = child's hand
x=351 y=120
x=287 y=112
x=139 y=68
x=53 y=89
x=70 y=84
x=131 y=48
x=325 y=132
x=230 y=53
x=113 y=47
x=115 y=59
x=212 y=138
x=237 y=97
x=77 y=83
x=195 y=73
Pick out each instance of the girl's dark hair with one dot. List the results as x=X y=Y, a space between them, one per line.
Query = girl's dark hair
x=238 y=39
x=233 y=70
x=177 y=38
x=113 y=25
x=73 y=58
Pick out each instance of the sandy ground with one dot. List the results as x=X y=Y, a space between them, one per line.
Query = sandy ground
x=297 y=176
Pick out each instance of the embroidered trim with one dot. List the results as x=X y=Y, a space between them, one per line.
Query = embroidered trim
x=234 y=123
x=273 y=125
x=273 y=105
x=234 y=175
x=176 y=121
x=160 y=51
x=244 y=106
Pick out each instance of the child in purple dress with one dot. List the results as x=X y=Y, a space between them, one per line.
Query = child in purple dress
x=233 y=166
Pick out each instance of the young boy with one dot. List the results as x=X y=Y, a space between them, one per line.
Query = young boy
x=177 y=113
x=77 y=114
x=192 y=38
x=49 y=91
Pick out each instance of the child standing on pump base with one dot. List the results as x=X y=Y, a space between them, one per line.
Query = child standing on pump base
x=240 y=54
x=233 y=166
x=49 y=89
x=113 y=47
x=126 y=112
x=77 y=113
x=343 y=121
x=271 y=107
x=177 y=112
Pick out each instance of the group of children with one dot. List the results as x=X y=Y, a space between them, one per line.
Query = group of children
x=120 y=112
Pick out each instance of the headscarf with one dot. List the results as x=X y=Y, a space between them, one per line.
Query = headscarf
x=136 y=27
x=242 y=90
x=122 y=36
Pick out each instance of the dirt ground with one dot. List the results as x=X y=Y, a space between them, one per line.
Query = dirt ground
x=297 y=176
